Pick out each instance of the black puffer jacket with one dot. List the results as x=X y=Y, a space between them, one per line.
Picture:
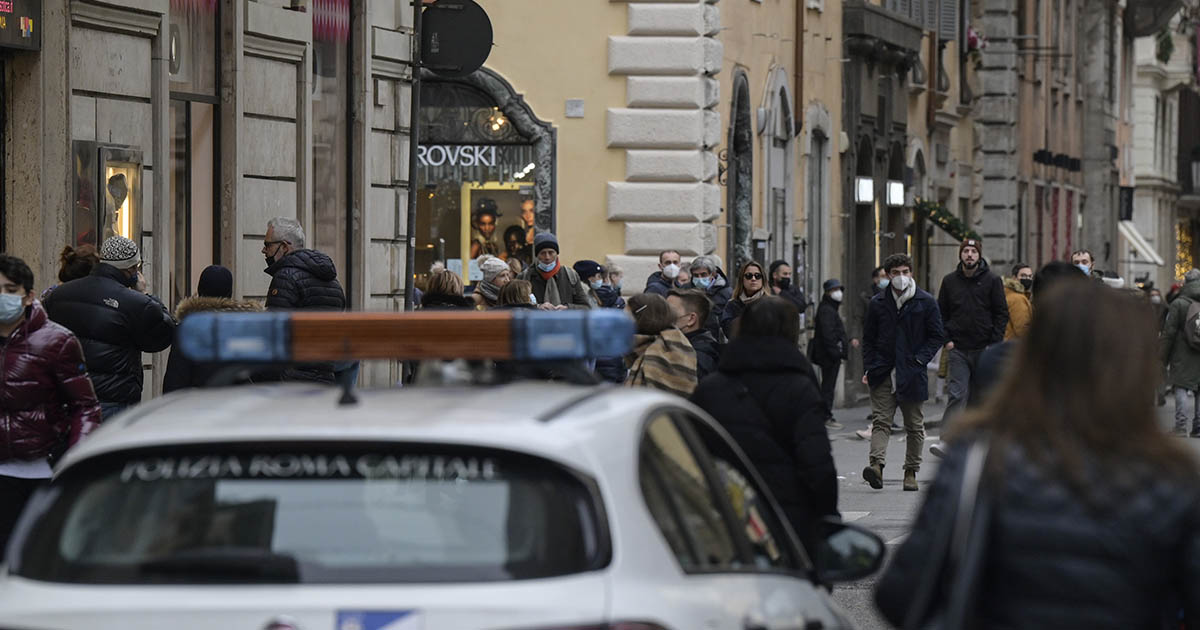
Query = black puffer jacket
x=115 y=325
x=305 y=279
x=765 y=395
x=1128 y=559
x=974 y=310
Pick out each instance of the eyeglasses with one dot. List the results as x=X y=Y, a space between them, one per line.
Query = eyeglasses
x=752 y=276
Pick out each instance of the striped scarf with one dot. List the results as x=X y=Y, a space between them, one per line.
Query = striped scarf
x=664 y=361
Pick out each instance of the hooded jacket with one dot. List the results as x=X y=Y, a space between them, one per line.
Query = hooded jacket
x=1182 y=361
x=1020 y=309
x=45 y=395
x=115 y=325
x=830 y=346
x=903 y=339
x=440 y=302
x=974 y=310
x=766 y=396
x=305 y=279
x=182 y=372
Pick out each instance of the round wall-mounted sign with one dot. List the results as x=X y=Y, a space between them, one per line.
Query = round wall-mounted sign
x=456 y=37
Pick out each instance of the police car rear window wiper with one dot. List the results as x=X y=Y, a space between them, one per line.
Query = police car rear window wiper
x=225 y=564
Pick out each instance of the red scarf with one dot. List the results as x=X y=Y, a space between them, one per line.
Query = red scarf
x=546 y=275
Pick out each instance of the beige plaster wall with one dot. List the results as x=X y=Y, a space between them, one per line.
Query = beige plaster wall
x=822 y=83
x=551 y=51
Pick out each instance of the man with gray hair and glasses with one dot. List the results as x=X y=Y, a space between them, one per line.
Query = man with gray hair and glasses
x=301 y=279
x=708 y=277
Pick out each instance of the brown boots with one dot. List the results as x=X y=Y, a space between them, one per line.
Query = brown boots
x=874 y=475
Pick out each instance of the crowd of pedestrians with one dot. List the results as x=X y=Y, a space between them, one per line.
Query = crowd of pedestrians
x=1029 y=374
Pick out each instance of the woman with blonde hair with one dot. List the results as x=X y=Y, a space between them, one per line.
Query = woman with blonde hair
x=662 y=357
x=751 y=285
x=1060 y=502
x=516 y=294
x=445 y=292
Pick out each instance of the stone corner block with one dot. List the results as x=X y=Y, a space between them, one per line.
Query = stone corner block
x=663 y=201
x=670 y=166
x=667 y=19
x=650 y=238
x=676 y=92
x=661 y=55
x=658 y=128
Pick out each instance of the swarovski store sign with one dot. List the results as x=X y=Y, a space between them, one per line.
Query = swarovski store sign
x=450 y=155
x=21 y=24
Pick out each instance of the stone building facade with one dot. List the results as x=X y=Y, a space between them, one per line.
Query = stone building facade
x=186 y=124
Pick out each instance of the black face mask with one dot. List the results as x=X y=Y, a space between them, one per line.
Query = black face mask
x=1027 y=283
x=272 y=258
x=783 y=283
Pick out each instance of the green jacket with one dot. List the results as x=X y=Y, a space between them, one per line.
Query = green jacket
x=1183 y=363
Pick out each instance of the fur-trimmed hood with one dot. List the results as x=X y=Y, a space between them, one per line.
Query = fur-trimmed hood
x=200 y=304
x=1012 y=284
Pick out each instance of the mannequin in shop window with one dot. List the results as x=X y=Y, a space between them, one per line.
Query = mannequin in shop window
x=483 y=233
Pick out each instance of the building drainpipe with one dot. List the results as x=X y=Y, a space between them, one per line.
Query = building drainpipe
x=414 y=137
x=798 y=73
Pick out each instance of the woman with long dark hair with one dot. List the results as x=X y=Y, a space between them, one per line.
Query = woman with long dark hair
x=765 y=394
x=1093 y=516
x=751 y=286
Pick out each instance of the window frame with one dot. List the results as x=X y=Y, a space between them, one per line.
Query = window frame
x=684 y=422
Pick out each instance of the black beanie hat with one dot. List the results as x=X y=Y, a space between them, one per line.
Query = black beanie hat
x=215 y=281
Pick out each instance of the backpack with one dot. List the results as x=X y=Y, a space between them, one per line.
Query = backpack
x=1191 y=326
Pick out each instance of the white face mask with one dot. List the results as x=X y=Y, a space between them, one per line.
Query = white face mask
x=901 y=283
x=671 y=271
x=836 y=296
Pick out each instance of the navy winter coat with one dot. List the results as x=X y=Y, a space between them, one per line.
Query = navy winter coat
x=904 y=340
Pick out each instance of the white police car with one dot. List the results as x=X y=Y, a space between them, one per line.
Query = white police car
x=509 y=507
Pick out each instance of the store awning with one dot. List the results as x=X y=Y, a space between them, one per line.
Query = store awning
x=1135 y=238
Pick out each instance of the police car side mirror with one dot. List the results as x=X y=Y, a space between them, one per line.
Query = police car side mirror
x=847 y=552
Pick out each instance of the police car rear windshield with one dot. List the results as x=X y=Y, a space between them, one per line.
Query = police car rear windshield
x=390 y=513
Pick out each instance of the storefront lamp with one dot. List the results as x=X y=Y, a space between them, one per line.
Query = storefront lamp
x=1196 y=170
x=895 y=194
x=864 y=190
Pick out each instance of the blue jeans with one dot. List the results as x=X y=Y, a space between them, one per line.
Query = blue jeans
x=108 y=410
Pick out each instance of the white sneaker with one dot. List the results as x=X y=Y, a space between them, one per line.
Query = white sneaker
x=833 y=424
x=938 y=449
x=864 y=434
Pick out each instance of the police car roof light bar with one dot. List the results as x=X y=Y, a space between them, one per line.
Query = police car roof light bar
x=517 y=335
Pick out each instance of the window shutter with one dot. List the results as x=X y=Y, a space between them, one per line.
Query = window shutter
x=948 y=20
x=918 y=12
x=930 y=14
x=904 y=7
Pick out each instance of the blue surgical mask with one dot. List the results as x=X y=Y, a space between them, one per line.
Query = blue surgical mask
x=703 y=283
x=12 y=307
x=1087 y=271
x=596 y=285
x=547 y=267
x=883 y=284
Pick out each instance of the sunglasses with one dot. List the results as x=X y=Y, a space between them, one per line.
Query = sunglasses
x=753 y=276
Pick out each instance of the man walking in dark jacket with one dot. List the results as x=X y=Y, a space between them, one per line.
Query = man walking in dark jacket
x=708 y=277
x=115 y=323
x=301 y=279
x=830 y=346
x=902 y=333
x=691 y=308
x=975 y=313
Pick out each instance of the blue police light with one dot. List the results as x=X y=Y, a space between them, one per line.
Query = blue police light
x=236 y=337
x=572 y=334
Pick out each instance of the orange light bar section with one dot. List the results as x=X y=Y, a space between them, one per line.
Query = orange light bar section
x=339 y=336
